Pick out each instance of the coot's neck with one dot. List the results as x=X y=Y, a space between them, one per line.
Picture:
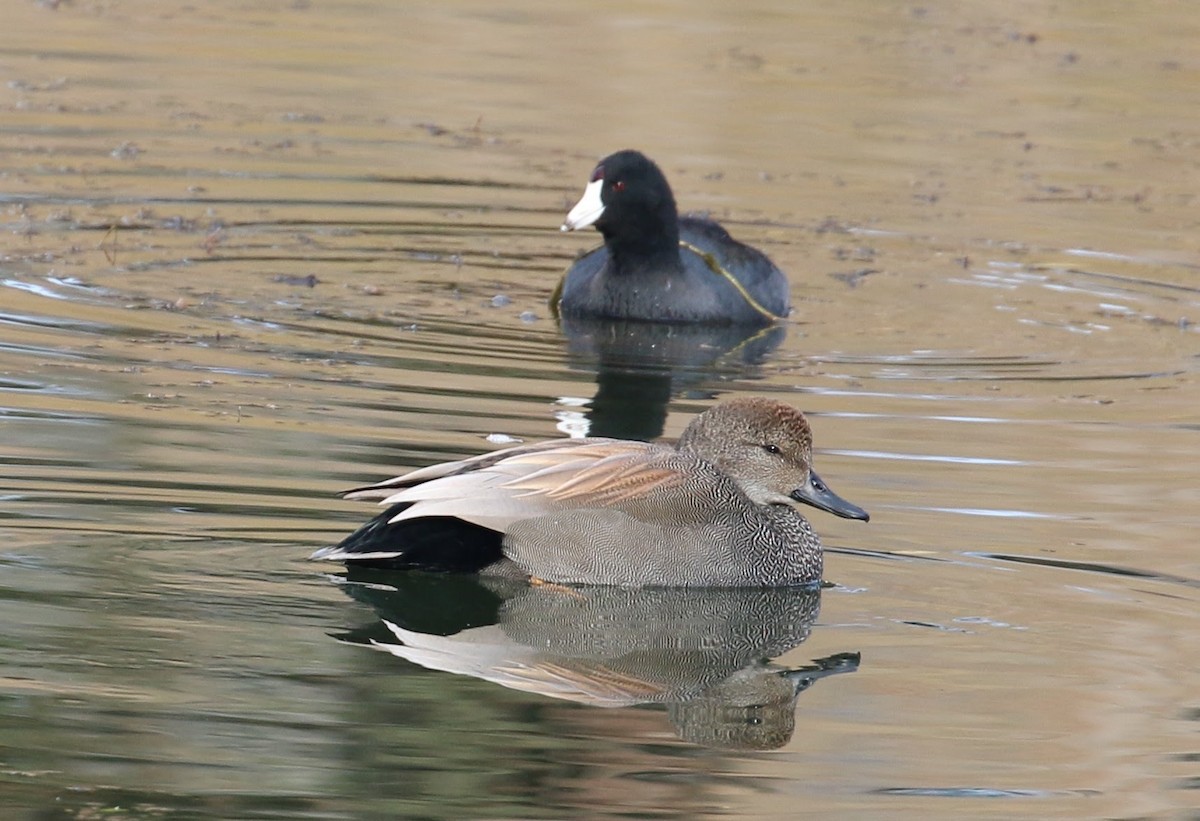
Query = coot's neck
x=649 y=243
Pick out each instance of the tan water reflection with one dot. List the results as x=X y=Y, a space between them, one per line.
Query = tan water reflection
x=989 y=217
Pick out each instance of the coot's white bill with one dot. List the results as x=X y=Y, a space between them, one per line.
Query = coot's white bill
x=588 y=209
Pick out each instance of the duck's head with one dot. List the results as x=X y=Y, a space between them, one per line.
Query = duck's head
x=765 y=446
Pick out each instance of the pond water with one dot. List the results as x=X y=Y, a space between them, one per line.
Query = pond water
x=258 y=253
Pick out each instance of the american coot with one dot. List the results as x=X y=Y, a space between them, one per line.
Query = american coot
x=719 y=509
x=658 y=267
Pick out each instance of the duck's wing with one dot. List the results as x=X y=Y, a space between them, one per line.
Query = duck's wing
x=600 y=474
x=386 y=488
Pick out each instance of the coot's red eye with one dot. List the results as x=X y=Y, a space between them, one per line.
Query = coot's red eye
x=598 y=174
x=618 y=186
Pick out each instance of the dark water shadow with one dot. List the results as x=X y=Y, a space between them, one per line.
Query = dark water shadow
x=640 y=366
x=704 y=654
x=1092 y=567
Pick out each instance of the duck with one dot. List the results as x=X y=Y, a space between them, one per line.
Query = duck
x=656 y=266
x=720 y=508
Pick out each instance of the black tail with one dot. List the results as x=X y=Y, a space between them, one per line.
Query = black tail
x=428 y=543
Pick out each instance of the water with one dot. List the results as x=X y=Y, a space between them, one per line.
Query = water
x=255 y=255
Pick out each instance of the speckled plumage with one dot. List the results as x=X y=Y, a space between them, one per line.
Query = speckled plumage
x=717 y=510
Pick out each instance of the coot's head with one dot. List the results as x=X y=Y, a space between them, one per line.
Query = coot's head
x=627 y=195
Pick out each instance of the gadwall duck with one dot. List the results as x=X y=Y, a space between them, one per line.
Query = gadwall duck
x=658 y=267
x=717 y=510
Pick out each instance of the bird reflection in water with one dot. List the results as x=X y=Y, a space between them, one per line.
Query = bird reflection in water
x=640 y=366
x=701 y=652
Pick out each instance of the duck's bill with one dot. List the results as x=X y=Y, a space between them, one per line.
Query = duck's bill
x=588 y=209
x=816 y=493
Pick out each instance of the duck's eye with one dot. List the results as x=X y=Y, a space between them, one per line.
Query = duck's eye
x=618 y=186
x=773 y=449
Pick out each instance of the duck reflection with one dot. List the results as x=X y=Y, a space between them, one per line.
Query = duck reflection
x=639 y=366
x=701 y=652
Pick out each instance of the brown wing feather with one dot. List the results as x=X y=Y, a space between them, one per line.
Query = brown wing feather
x=634 y=478
x=381 y=490
x=616 y=475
